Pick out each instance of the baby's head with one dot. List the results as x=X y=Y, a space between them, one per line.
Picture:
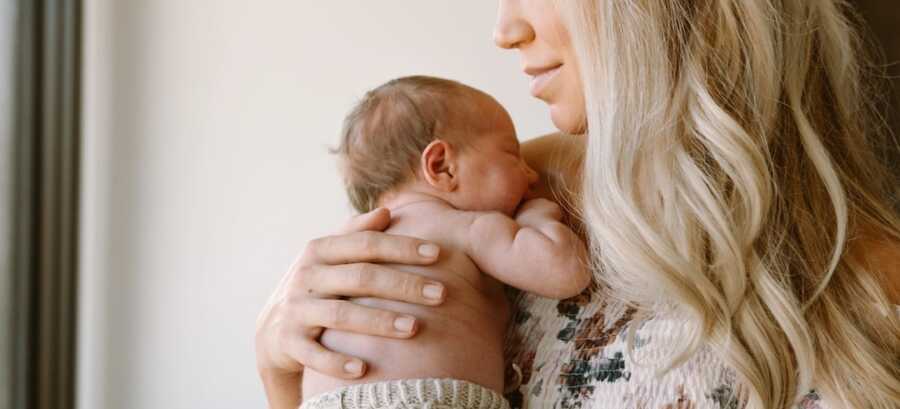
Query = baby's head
x=437 y=137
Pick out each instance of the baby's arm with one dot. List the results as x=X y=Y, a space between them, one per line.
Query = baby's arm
x=535 y=252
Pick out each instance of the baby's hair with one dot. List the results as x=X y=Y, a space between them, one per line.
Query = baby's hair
x=385 y=133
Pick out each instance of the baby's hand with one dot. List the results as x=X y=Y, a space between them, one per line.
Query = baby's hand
x=538 y=211
x=536 y=252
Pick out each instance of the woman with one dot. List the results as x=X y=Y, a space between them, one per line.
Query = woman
x=739 y=215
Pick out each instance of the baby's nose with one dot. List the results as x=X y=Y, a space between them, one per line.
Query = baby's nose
x=531 y=175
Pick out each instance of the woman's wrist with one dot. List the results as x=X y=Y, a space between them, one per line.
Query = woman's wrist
x=282 y=388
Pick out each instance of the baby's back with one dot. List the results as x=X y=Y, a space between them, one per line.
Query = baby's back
x=461 y=339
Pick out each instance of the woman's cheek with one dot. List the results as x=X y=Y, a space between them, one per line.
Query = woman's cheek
x=568 y=111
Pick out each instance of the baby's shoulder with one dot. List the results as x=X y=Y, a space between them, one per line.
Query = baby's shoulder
x=442 y=225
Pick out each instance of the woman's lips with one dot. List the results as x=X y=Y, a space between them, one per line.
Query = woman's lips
x=541 y=77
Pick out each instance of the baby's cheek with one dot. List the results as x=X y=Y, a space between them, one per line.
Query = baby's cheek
x=513 y=197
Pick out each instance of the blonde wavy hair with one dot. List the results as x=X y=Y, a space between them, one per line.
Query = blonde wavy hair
x=732 y=160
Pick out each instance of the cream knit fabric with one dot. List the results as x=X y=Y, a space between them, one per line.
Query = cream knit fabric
x=410 y=394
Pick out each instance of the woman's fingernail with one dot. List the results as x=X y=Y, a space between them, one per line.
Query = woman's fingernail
x=353 y=367
x=429 y=250
x=433 y=291
x=404 y=324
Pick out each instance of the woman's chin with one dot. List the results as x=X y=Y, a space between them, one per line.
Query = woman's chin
x=566 y=120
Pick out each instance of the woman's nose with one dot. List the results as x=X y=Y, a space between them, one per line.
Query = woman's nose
x=511 y=30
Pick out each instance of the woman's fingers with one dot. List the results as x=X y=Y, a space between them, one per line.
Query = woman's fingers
x=315 y=356
x=373 y=280
x=344 y=316
x=347 y=316
x=343 y=266
x=370 y=247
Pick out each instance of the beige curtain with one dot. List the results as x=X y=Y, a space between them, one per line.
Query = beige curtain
x=7 y=20
x=40 y=203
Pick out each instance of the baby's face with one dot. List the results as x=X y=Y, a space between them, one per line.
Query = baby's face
x=492 y=174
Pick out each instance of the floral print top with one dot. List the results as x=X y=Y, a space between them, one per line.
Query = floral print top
x=573 y=354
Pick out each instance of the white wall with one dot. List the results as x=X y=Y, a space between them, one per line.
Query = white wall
x=206 y=170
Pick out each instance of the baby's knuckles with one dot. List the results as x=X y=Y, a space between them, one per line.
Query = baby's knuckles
x=554 y=211
x=540 y=208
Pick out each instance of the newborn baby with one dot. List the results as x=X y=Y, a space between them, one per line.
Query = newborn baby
x=444 y=158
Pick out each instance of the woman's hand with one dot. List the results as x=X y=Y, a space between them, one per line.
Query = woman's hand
x=307 y=300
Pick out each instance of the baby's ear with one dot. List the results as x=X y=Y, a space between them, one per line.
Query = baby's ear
x=439 y=165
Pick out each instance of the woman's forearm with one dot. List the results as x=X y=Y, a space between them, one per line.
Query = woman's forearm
x=282 y=389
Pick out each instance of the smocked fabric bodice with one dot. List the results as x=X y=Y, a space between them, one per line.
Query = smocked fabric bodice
x=573 y=354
